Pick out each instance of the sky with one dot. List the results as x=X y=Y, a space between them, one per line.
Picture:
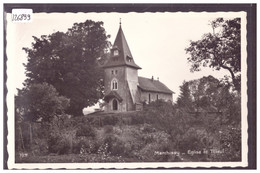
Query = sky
x=157 y=41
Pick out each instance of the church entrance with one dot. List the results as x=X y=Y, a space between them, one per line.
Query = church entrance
x=115 y=105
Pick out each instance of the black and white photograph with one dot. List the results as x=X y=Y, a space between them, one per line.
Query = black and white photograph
x=128 y=89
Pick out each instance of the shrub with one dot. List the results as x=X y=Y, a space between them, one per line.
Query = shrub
x=60 y=143
x=147 y=128
x=40 y=147
x=110 y=120
x=85 y=146
x=40 y=101
x=138 y=119
x=230 y=141
x=148 y=152
x=116 y=147
x=108 y=129
x=85 y=130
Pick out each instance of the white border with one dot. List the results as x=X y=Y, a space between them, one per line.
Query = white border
x=244 y=112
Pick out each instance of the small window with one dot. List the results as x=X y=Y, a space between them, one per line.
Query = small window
x=116 y=52
x=112 y=71
x=128 y=58
x=116 y=72
x=149 y=98
x=157 y=97
x=114 y=85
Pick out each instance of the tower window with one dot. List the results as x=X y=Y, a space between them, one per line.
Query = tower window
x=116 y=52
x=128 y=58
x=112 y=71
x=116 y=72
x=114 y=84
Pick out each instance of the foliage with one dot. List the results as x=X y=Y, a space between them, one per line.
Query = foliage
x=85 y=130
x=214 y=113
x=185 y=99
x=40 y=102
x=108 y=129
x=85 y=145
x=68 y=61
x=110 y=120
x=220 y=49
x=138 y=119
x=162 y=132
x=208 y=94
x=59 y=143
x=161 y=115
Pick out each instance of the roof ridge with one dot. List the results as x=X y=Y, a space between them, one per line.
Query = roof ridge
x=148 y=84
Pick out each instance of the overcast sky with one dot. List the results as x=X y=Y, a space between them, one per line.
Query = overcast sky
x=157 y=41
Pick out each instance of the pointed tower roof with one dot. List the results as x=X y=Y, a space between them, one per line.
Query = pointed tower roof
x=120 y=54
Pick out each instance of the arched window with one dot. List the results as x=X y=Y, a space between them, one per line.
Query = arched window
x=115 y=105
x=114 y=84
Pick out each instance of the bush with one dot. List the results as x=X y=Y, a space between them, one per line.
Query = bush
x=108 y=129
x=40 y=101
x=137 y=119
x=110 y=120
x=147 y=128
x=155 y=142
x=85 y=146
x=60 y=143
x=85 y=130
x=117 y=147
x=230 y=140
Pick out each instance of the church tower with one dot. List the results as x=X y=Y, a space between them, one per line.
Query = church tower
x=121 y=77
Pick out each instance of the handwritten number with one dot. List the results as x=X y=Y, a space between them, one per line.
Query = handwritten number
x=21 y=17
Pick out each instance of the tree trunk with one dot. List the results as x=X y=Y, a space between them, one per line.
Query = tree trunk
x=21 y=136
x=234 y=80
x=31 y=138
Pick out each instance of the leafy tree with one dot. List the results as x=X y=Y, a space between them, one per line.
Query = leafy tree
x=69 y=62
x=40 y=101
x=208 y=94
x=214 y=118
x=219 y=50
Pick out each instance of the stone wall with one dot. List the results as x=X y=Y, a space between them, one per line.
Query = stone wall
x=154 y=96
x=126 y=90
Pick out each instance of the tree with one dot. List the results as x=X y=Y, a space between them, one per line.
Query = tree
x=184 y=100
x=214 y=118
x=219 y=50
x=208 y=94
x=69 y=62
x=40 y=102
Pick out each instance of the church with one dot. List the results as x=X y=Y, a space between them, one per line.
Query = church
x=124 y=89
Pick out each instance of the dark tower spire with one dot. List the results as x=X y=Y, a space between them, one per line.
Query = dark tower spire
x=120 y=52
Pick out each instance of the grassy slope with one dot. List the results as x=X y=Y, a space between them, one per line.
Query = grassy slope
x=128 y=137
